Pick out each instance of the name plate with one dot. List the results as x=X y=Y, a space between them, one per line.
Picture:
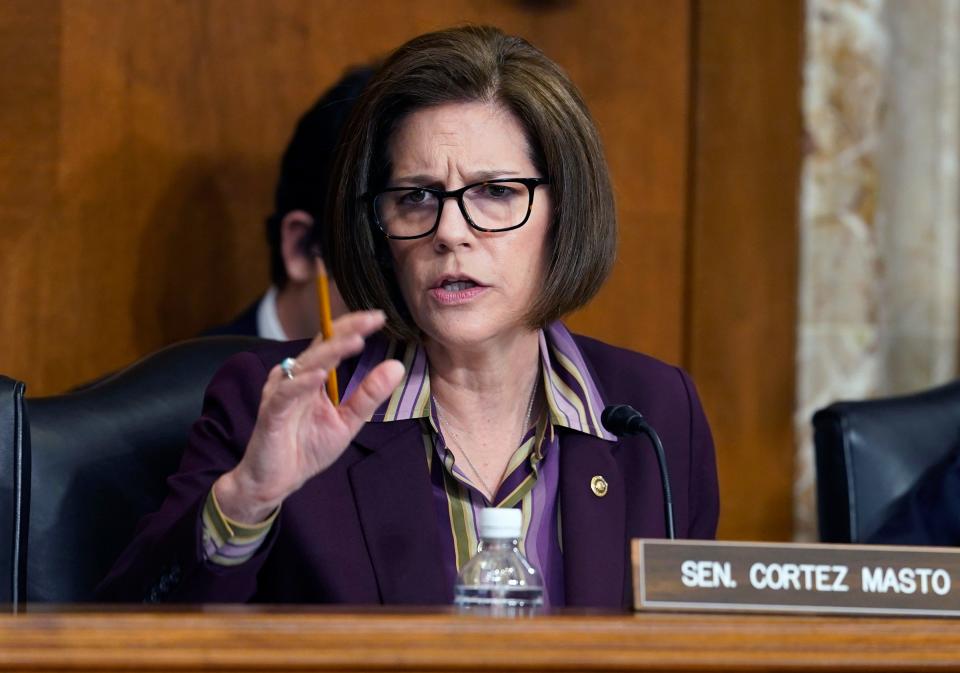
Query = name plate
x=759 y=576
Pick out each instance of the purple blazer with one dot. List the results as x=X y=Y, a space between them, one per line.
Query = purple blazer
x=364 y=531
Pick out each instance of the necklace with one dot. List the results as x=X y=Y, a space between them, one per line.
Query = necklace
x=444 y=422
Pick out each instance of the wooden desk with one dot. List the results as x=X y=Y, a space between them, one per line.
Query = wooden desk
x=248 y=639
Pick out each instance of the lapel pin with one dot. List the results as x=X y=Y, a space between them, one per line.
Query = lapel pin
x=599 y=486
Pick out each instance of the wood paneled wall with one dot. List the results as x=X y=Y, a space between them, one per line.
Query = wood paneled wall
x=140 y=143
x=746 y=133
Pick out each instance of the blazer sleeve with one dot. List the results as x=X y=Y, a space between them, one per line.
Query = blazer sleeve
x=703 y=490
x=165 y=561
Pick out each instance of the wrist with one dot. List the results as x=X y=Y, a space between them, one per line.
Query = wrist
x=240 y=501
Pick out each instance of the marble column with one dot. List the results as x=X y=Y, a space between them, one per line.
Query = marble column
x=879 y=209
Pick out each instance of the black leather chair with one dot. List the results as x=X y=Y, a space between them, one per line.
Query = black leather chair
x=91 y=463
x=14 y=483
x=869 y=453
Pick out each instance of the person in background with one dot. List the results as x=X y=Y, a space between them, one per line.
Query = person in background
x=289 y=309
x=471 y=208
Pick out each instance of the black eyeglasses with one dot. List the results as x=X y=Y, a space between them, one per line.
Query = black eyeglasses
x=493 y=205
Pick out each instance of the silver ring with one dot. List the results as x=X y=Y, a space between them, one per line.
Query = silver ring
x=287 y=366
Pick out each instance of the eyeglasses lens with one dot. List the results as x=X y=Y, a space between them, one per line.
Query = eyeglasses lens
x=490 y=205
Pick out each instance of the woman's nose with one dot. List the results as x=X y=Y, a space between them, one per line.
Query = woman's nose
x=453 y=230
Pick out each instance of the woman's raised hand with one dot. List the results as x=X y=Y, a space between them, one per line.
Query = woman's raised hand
x=299 y=432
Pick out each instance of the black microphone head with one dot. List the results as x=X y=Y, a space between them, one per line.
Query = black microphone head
x=621 y=419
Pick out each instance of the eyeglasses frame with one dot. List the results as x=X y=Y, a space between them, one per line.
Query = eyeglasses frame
x=442 y=195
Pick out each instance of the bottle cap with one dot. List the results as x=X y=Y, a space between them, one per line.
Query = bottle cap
x=502 y=523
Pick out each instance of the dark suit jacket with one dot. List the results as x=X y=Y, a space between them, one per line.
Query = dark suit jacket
x=245 y=324
x=365 y=531
x=929 y=513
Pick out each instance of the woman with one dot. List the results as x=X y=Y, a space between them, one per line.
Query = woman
x=472 y=210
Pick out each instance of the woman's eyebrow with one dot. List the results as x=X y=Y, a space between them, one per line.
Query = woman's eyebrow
x=480 y=176
x=419 y=179
x=476 y=176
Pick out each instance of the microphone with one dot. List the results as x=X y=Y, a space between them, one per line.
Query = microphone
x=623 y=421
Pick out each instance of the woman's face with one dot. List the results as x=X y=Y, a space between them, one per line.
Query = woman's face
x=466 y=287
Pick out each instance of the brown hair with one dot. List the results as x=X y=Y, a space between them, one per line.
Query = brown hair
x=464 y=65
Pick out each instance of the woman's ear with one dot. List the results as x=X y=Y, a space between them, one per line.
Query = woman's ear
x=298 y=259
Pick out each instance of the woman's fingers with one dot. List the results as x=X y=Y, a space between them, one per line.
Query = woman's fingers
x=299 y=432
x=280 y=390
x=363 y=321
x=370 y=394
x=328 y=354
x=311 y=368
x=349 y=332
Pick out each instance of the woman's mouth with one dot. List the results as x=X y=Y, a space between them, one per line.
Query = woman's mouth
x=460 y=291
x=458 y=286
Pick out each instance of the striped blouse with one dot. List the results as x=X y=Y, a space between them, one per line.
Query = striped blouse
x=531 y=480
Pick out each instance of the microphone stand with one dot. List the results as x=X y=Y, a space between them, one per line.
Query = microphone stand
x=664 y=477
x=623 y=420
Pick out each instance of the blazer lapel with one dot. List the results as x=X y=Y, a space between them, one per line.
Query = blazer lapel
x=392 y=492
x=594 y=527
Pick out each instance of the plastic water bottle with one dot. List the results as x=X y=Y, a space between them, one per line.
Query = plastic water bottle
x=498 y=579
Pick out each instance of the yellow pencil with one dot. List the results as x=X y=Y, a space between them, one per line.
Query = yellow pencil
x=326 y=328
